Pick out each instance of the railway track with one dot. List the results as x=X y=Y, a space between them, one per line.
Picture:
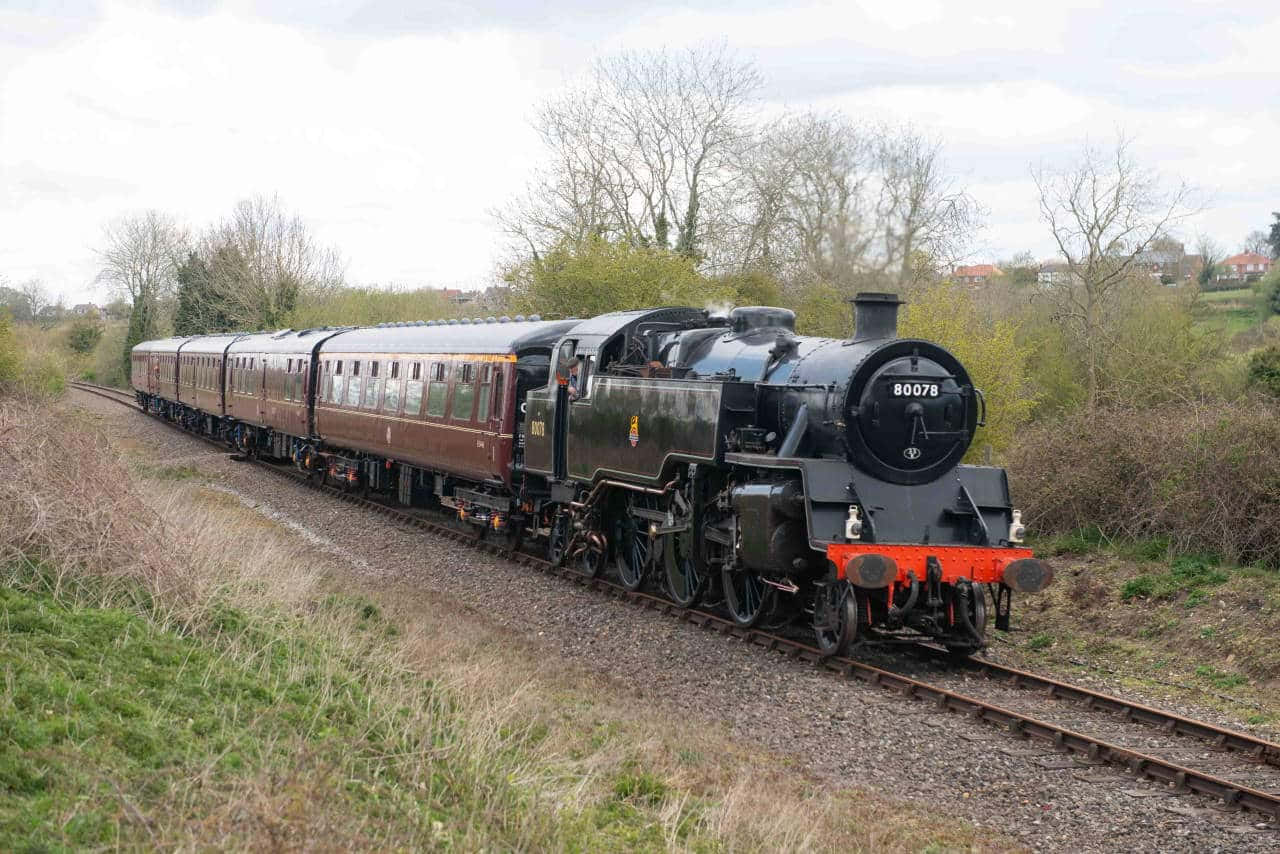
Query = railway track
x=1215 y=742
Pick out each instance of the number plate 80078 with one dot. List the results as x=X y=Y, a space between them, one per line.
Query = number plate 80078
x=914 y=390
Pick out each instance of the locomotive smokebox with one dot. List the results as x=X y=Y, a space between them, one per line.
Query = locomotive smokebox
x=875 y=316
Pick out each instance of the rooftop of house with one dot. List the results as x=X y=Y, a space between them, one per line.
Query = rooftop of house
x=971 y=270
x=1247 y=258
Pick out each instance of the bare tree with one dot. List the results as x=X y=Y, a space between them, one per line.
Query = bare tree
x=827 y=200
x=261 y=260
x=1103 y=211
x=644 y=151
x=1211 y=255
x=1257 y=241
x=34 y=297
x=924 y=218
x=140 y=254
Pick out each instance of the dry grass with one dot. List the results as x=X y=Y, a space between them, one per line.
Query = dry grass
x=419 y=727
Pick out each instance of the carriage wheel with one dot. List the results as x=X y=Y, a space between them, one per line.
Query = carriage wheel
x=746 y=595
x=835 y=617
x=633 y=545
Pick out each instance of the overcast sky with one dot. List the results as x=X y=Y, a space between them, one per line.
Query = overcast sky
x=394 y=127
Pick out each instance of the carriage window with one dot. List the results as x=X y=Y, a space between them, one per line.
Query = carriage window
x=353 y=385
x=437 y=391
x=372 y=387
x=464 y=391
x=373 y=368
x=412 y=397
x=416 y=373
x=497 y=391
x=337 y=389
x=391 y=397
x=483 y=392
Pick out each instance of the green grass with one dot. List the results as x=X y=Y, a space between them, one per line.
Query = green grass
x=1092 y=540
x=1229 y=312
x=99 y=702
x=1188 y=574
x=117 y=732
x=1236 y=294
x=1040 y=641
x=1220 y=679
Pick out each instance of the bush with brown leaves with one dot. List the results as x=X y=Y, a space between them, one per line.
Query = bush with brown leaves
x=1204 y=477
x=68 y=503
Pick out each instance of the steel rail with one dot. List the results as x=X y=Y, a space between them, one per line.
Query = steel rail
x=1017 y=724
x=1251 y=746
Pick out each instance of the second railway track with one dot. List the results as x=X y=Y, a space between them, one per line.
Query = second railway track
x=1253 y=762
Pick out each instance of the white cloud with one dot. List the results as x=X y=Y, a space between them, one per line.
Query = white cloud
x=396 y=146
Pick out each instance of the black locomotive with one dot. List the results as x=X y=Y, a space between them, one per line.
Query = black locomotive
x=726 y=458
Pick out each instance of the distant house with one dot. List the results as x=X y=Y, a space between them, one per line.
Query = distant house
x=1245 y=267
x=975 y=274
x=1054 y=273
x=1191 y=266
x=88 y=309
x=458 y=296
x=1163 y=261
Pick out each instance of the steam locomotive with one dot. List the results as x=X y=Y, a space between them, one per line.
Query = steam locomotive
x=726 y=459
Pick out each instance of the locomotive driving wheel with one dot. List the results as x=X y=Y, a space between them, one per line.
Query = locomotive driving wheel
x=746 y=595
x=685 y=576
x=685 y=570
x=633 y=546
x=558 y=539
x=835 y=617
x=970 y=603
x=590 y=560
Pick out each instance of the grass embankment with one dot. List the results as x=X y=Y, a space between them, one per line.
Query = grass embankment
x=1151 y=618
x=160 y=689
x=1231 y=313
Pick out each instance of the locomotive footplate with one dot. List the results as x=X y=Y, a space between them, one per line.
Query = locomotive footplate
x=875 y=565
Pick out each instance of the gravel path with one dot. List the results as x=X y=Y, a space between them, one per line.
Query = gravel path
x=848 y=733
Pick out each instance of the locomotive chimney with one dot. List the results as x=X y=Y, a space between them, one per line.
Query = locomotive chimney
x=875 y=315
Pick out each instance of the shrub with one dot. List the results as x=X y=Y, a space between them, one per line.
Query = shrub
x=1264 y=370
x=598 y=276
x=1203 y=477
x=989 y=350
x=9 y=356
x=83 y=336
